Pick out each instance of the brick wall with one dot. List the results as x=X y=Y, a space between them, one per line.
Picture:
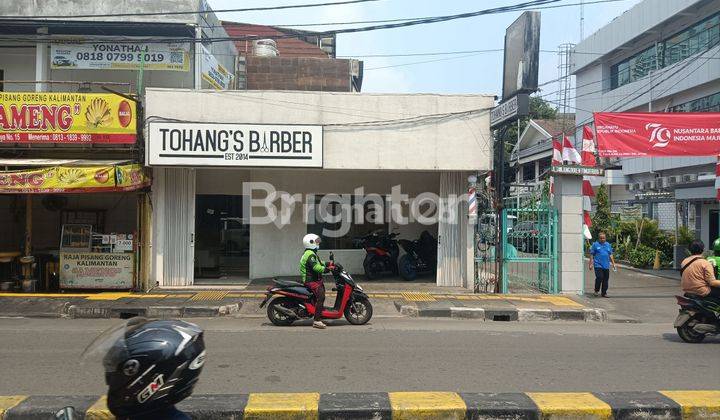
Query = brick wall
x=289 y=73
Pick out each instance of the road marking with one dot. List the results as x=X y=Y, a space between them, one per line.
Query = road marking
x=696 y=404
x=571 y=405
x=427 y=405
x=7 y=403
x=301 y=406
x=418 y=297
x=99 y=410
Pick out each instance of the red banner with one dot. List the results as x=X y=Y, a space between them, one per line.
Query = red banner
x=639 y=134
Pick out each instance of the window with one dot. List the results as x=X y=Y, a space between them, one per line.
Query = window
x=348 y=220
x=528 y=172
x=697 y=38
x=545 y=164
x=709 y=103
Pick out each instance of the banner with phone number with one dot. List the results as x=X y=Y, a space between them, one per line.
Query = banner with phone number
x=76 y=118
x=109 y=55
x=74 y=179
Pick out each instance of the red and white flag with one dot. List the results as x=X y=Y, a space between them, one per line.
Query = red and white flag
x=587 y=224
x=717 y=178
x=557 y=157
x=569 y=153
x=587 y=194
x=588 y=147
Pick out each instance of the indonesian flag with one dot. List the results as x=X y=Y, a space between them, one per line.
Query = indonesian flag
x=587 y=194
x=588 y=147
x=587 y=224
x=557 y=157
x=717 y=178
x=569 y=153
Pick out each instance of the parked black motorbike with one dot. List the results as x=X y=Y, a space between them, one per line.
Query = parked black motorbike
x=381 y=253
x=698 y=318
x=420 y=256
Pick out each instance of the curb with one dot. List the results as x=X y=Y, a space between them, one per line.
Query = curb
x=506 y=314
x=124 y=312
x=403 y=405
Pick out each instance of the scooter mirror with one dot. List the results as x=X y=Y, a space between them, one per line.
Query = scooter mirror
x=67 y=413
x=332 y=256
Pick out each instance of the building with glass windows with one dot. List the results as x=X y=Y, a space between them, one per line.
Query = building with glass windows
x=659 y=56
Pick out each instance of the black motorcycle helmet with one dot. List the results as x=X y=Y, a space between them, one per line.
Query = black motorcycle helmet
x=149 y=365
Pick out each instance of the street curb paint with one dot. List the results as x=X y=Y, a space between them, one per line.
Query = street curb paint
x=467 y=313
x=402 y=405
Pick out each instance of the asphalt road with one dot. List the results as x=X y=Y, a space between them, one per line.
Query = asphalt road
x=40 y=356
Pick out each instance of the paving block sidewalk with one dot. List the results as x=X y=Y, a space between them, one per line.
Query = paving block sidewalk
x=403 y=405
x=491 y=307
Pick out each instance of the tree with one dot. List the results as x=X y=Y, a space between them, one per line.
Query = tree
x=602 y=221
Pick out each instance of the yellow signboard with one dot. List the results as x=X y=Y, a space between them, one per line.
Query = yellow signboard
x=74 y=179
x=76 y=118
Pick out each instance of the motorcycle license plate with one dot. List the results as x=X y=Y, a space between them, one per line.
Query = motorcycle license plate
x=682 y=319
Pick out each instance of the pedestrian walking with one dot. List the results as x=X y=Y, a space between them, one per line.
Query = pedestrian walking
x=601 y=256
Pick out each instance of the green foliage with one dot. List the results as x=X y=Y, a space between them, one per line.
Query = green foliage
x=603 y=219
x=685 y=236
x=641 y=256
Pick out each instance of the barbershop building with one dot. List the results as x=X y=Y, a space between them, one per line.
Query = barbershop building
x=239 y=177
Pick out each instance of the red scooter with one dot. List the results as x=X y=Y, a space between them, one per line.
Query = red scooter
x=291 y=301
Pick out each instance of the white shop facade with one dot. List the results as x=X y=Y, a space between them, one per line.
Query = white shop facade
x=240 y=177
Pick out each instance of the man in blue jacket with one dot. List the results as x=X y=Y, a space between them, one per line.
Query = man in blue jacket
x=601 y=255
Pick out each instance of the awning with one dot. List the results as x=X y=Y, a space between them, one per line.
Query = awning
x=73 y=178
x=64 y=162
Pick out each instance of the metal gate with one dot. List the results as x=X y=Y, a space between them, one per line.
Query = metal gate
x=529 y=260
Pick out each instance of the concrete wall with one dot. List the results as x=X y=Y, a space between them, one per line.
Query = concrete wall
x=276 y=250
x=568 y=201
x=292 y=73
x=97 y=7
x=426 y=143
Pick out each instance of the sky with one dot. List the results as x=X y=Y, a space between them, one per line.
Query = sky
x=476 y=73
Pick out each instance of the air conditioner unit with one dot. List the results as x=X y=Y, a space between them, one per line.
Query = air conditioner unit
x=650 y=185
x=663 y=182
x=675 y=179
x=689 y=177
x=631 y=187
x=638 y=186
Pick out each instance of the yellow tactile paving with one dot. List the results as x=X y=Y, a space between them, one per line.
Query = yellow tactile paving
x=99 y=411
x=210 y=295
x=301 y=406
x=418 y=297
x=571 y=405
x=427 y=405
x=697 y=404
x=7 y=403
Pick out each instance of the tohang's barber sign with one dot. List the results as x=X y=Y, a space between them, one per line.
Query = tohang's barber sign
x=238 y=145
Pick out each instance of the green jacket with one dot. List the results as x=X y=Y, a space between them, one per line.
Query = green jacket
x=311 y=268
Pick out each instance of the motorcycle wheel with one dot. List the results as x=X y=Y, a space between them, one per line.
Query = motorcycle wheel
x=407 y=268
x=688 y=335
x=359 y=312
x=372 y=266
x=276 y=317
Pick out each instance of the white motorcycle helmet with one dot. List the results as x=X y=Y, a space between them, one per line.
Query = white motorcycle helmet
x=311 y=241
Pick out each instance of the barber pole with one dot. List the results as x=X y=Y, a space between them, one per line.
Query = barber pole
x=472 y=202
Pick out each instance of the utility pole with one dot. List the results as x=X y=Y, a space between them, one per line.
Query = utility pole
x=582 y=19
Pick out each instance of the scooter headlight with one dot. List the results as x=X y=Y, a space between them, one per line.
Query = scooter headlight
x=357 y=286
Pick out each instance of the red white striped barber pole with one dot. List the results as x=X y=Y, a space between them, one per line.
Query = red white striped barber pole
x=472 y=201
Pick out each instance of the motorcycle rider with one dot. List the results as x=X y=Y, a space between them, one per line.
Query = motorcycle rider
x=311 y=271
x=149 y=367
x=698 y=274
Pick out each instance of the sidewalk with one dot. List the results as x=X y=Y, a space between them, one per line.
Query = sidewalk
x=441 y=302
